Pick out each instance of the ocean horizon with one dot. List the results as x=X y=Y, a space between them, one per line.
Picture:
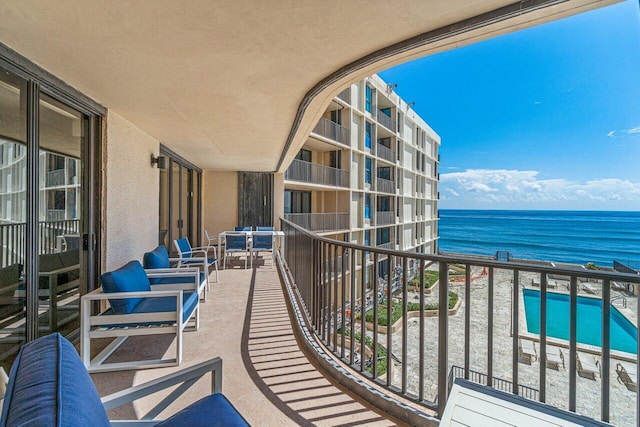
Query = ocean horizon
x=576 y=237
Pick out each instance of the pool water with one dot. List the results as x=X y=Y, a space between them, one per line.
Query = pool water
x=589 y=320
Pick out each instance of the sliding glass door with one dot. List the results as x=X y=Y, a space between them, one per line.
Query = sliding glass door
x=179 y=202
x=47 y=236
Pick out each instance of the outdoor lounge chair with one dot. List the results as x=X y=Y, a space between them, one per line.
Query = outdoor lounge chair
x=527 y=351
x=48 y=386
x=589 y=288
x=236 y=243
x=190 y=256
x=137 y=308
x=627 y=375
x=555 y=358
x=157 y=262
x=587 y=366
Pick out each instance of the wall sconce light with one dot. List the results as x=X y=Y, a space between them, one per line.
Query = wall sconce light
x=161 y=161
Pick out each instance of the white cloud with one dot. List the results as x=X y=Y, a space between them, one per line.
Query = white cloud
x=624 y=132
x=516 y=189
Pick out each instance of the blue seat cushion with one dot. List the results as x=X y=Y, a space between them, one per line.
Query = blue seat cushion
x=167 y=304
x=49 y=386
x=128 y=278
x=157 y=258
x=172 y=280
x=213 y=410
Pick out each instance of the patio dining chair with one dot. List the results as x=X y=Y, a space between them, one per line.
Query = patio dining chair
x=262 y=242
x=190 y=256
x=236 y=243
x=242 y=228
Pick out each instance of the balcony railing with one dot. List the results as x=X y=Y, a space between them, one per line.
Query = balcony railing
x=386 y=186
x=415 y=357
x=320 y=221
x=345 y=95
x=385 y=217
x=387 y=245
x=12 y=239
x=385 y=153
x=300 y=170
x=332 y=131
x=386 y=121
x=55 y=178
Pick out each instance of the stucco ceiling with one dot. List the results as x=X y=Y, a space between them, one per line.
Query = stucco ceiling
x=237 y=85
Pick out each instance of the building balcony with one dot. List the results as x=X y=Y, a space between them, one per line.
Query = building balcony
x=386 y=245
x=386 y=121
x=332 y=131
x=313 y=173
x=386 y=186
x=385 y=153
x=345 y=95
x=320 y=222
x=385 y=217
x=55 y=178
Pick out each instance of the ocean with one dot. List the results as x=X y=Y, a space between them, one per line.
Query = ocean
x=576 y=237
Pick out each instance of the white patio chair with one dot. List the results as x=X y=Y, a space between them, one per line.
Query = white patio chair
x=237 y=243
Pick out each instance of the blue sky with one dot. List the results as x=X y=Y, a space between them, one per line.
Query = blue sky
x=544 y=118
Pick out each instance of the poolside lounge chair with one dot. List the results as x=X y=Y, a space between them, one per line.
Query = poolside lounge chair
x=588 y=366
x=555 y=358
x=627 y=375
x=527 y=351
x=589 y=288
x=551 y=283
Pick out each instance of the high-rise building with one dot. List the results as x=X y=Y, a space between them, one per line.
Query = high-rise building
x=368 y=173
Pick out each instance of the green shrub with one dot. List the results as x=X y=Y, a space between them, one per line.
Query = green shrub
x=430 y=278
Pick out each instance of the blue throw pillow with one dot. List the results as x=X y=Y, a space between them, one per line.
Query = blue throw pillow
x=128 y=278
x=158 y=258
x=49 y=386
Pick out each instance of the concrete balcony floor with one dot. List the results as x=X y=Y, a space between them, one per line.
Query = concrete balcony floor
x=265 y=374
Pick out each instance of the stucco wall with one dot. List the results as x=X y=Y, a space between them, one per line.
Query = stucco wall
x=132 y=193
x=219 y=201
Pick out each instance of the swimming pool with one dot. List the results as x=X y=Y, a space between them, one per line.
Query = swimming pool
x=589 y=320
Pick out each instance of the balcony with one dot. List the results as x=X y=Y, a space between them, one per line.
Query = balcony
x=385 y=217
x=387 y=245
x=332 y=131
x=320 y=222
x=266 y=375
x=13 y=236
x=385 y=153
x=55 y=178
x=386 y=121
x=345 y=95
x=386 y=186
x=313 y=173
x=471 y=333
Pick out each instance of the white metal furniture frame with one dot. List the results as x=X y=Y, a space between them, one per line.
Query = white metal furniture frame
x=122 y=326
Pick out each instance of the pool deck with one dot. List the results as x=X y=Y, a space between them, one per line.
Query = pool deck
x=622 y=400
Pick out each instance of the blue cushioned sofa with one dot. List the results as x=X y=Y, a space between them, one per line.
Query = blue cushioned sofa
x=48 y=386
x=157 y=264
x=137 y=307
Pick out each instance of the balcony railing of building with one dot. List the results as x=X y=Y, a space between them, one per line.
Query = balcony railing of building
x=332 y=131
x=56 y=214
x=386 y=121
x=12 y=239
x=386 y=245
x=55 y=178
x=345 y=95
x=299 y=170
x=340 y=310
x=386 y=153
x=320 y=221
x=386 y=186
x=385 y=217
